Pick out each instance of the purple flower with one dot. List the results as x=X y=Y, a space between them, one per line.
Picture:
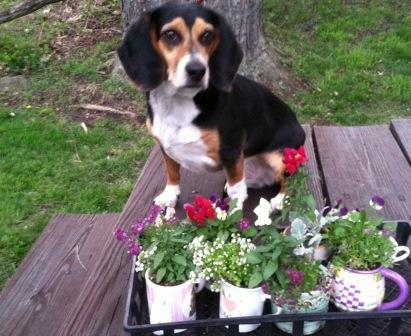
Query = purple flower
x=338 y=204
x=223 y=204
x=213 y=198
x=155 y=210
x=343 y=212
x=138 y=227
x=265 y=288
x=296 y=277
x=377 y=202
x=244 y=224
x=120 y=235
x=134 y=249
x=369 y=231
x=173 y=220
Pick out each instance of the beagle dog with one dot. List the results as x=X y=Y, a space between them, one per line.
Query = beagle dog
x=204 y=115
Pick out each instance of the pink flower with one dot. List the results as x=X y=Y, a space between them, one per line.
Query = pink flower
x=294 y=158
x=200 y=211
x=296 y=276
x=120 y=235
x=244 y=224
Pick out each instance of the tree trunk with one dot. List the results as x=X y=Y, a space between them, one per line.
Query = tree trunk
x=245 y=17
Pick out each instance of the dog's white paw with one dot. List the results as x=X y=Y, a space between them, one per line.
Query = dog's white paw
x=168 y=198
x=238 y=192
x=277 y=202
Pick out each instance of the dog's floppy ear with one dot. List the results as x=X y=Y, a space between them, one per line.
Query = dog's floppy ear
x=140 y=60
x=226 y=58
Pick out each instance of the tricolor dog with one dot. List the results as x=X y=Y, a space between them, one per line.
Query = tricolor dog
x=204 y=115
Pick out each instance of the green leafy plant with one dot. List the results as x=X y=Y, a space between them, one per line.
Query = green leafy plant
x=223 y=259
x=160 y=241
x=356 y=241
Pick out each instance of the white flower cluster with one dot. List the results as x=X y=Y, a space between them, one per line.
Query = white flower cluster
x=144 y=257
x=213 y=260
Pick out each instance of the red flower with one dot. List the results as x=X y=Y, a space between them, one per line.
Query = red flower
x=294 y=158
x=200 y=211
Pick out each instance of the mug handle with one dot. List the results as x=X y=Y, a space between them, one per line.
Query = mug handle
x=401 y=283
x=400 y=249
x=198 y=286
x=265 y=297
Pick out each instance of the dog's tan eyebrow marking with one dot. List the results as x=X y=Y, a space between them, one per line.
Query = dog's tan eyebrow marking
x=178 y=24
x=200 y=26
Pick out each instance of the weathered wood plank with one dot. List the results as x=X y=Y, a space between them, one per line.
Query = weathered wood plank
x=315 y=182
x=102 y=297
x=401 y=129
x=359 y=162
x=38 y=298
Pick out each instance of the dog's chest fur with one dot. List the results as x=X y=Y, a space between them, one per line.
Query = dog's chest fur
x=173 y=126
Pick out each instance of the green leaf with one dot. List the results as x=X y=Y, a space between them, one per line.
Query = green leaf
x=255 y=279
x=276 y=253
x=269 y=270
x=310 y=202
x=251 y=232
x=253 y=257
x=223 y=235
x=160 y=274
x=158 y=259
x=282 y=279
x=262 y=249
x=235 y=217
x=179 y=259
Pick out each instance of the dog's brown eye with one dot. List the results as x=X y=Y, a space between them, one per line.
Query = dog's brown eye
x=171 y=36
x=206 y=37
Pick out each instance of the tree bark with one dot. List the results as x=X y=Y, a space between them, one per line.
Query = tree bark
x=23 y=8
x=245 y=16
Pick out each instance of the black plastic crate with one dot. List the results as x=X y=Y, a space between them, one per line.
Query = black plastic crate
x=374 y=323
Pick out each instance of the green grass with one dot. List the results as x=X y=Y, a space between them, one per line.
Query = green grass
x=49 y=165
x=356 y=57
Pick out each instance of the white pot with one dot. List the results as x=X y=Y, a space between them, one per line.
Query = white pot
x=170 y=303
x=239 y=302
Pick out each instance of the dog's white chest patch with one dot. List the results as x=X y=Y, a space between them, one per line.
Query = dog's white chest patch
x=173 y=127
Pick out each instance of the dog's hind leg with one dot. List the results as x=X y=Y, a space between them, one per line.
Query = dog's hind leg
x=264 y=170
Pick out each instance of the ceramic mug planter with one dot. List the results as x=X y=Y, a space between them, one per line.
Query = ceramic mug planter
x=171 y=303
x=313 y=302
x=356 y=290
x=238 y=302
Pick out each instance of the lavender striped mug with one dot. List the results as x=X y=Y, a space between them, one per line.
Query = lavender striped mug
x=354 y=290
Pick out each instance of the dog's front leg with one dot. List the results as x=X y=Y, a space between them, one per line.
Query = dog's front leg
x=168 y=198
x=236 y=186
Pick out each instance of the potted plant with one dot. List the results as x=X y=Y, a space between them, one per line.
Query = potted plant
x=160 y=244
x=224 y=264
x=362 y=256
x=305 y=288
x=287 y=265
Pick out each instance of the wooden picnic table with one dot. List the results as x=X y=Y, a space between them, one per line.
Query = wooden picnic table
x=74 y=279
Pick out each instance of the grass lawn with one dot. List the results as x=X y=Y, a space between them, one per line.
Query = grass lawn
x=355 y=59
x=356 y=55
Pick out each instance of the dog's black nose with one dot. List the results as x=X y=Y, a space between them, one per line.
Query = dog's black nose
x=195 y=71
